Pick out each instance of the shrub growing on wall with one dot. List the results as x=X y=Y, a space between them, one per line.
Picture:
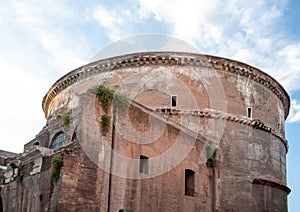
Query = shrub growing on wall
x=104 y=95
x=211 y=153
x=105 y=124
x=56 y=164
x=64 y=118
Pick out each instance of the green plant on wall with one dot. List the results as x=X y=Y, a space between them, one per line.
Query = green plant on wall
x=56 y=164
x=211 y=153
x=104 y=95
x=64 y=118
x=105 y=124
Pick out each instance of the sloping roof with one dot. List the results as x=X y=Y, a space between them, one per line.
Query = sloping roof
x=7 y=154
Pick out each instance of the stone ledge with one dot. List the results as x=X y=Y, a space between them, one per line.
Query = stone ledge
x=214 y=114
x=167 y=58
x=272 y=184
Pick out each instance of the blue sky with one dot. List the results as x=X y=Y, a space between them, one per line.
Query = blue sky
x=42 y=40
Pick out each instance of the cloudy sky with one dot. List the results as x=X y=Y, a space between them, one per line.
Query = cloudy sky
x=42 y=40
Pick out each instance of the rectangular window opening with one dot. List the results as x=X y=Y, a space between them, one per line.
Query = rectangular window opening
x=249 y=112
x=144 y=164
x=174 y=101
x=189 y=182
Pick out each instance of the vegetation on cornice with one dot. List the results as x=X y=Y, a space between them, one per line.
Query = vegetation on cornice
x=56 y=164
x=105 y=124
x=106 y=96
x=64 y=118
x=160 y=58
x=211 y=153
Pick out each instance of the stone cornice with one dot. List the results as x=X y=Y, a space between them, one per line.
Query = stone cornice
x=167 y=59
x=271 y=183
x=214 y=114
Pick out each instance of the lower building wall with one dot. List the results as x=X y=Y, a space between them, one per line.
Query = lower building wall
x=162 y=193
x=32 y=194
x=242 y=156
x=243 y=195
x=85 y=187
x=245 y=155
x=79 y=189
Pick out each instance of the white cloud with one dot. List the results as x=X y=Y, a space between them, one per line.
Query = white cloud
x=64 y=58
x=186 y=18
x=27 y=13
x=110 y=20
x=21 y=113
x=286 y=66
x=242 y=30
x=294 y=115
x=39 y=25
x=34 y=51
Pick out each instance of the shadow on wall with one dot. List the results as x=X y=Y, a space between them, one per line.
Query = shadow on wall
x=1 y=205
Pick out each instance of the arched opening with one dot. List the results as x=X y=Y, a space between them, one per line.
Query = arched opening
x=59 y=140
x=36 y=143
x=189 y=182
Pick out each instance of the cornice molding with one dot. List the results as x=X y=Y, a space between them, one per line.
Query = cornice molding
x=214 y=114
x=270 y=183
x=167 y=59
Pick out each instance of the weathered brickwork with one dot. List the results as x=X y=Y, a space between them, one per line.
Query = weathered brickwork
x=219 y=102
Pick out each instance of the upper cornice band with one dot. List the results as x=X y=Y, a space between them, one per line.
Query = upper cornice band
x=170 y=59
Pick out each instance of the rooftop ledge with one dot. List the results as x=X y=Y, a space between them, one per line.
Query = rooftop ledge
x=168 y=59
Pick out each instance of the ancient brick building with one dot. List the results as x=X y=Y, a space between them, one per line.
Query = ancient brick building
x=201 y=133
